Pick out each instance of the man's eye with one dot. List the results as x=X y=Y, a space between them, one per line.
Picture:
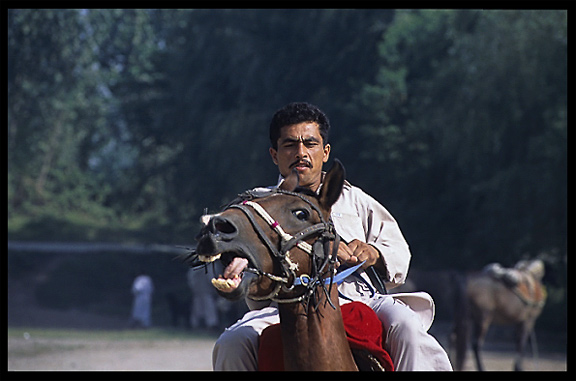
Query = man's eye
x=301 y=214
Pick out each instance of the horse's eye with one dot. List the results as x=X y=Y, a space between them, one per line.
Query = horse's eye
x=301 y=214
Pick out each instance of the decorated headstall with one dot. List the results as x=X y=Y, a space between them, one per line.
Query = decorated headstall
x=322 y=256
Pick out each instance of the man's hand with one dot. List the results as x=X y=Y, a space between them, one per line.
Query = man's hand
x=357 y=251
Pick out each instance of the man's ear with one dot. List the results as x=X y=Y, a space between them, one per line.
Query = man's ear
x=332 y=185
x=326 y=153
x=291 y=182
x=274 y=155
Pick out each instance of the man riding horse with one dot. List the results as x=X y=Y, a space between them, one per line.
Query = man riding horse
x=369 y=234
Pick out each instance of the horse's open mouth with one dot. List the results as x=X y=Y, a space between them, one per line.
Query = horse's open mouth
x=233 y=266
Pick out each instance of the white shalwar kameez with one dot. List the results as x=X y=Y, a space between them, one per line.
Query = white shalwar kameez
x=406 y=317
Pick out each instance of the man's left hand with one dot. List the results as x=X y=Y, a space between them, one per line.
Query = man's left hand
x=357 y=251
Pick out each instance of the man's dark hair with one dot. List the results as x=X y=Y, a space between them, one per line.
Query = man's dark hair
x=298 y=112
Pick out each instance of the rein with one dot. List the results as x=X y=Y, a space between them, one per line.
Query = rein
x=317 y=252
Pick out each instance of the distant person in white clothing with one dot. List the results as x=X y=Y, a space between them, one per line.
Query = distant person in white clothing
x=142 y=289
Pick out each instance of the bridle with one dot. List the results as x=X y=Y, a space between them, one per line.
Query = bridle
x=321 y=262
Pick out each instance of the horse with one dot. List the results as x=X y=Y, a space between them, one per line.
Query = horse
x=291 y=260
x=496 y=295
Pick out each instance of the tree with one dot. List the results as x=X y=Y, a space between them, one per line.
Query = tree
x=67 y=140
x=470 y=106
x=164 y=112
x=47 y=100
x=224 y=73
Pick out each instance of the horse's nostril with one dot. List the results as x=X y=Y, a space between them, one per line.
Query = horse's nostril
x=223 y=226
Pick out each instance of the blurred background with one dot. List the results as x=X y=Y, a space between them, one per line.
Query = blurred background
x=124 y=125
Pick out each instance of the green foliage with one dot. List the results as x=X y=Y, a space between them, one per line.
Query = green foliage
x=125 y=124
x=469 y=106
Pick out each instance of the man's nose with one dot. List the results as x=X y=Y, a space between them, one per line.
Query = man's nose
x=301 y=150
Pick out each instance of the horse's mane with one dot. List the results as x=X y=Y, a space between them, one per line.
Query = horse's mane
x=262 y=192
x=305 y=191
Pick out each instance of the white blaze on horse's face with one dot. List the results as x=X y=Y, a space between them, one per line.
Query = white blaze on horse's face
x=206 y=218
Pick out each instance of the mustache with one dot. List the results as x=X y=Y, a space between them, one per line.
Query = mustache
x=301 y=162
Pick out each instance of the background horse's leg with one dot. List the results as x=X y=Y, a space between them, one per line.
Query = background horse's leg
x=523 y=332
x=461 y=325
x=532 y=338
x=459 y=344
x=481 y=325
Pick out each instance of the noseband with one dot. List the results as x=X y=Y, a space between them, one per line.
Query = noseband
x=321 y=262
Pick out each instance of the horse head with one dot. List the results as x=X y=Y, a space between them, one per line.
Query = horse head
x=276 y=245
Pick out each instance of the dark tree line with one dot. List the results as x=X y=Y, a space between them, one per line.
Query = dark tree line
x=455 y=120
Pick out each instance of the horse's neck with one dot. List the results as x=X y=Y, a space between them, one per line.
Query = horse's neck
x=315 y=339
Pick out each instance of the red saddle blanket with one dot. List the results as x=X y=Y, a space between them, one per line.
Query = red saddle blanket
x=363 y=329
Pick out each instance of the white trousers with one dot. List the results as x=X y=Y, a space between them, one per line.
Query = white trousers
x=407 y=340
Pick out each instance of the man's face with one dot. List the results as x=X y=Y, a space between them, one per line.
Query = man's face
x=300 y=147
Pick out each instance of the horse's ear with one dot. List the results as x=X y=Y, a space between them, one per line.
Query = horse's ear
x=332 y=185
x=290 y=182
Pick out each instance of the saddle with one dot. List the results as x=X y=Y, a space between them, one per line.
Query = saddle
x=364 y=333
x=523 y=280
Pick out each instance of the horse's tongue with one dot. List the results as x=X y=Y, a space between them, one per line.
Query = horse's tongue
x=231 y=279
x=235 y=267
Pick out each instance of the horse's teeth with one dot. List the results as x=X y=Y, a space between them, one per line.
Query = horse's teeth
x=208 y=258
x=223 y=284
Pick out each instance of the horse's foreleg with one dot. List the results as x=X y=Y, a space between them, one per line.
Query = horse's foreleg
x=459 y=342
x=523 y=332
x=461 y=326
x=476 y=347
x=479 y=334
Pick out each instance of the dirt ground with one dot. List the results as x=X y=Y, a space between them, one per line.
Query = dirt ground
x=28 y=353
x=94 y=355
